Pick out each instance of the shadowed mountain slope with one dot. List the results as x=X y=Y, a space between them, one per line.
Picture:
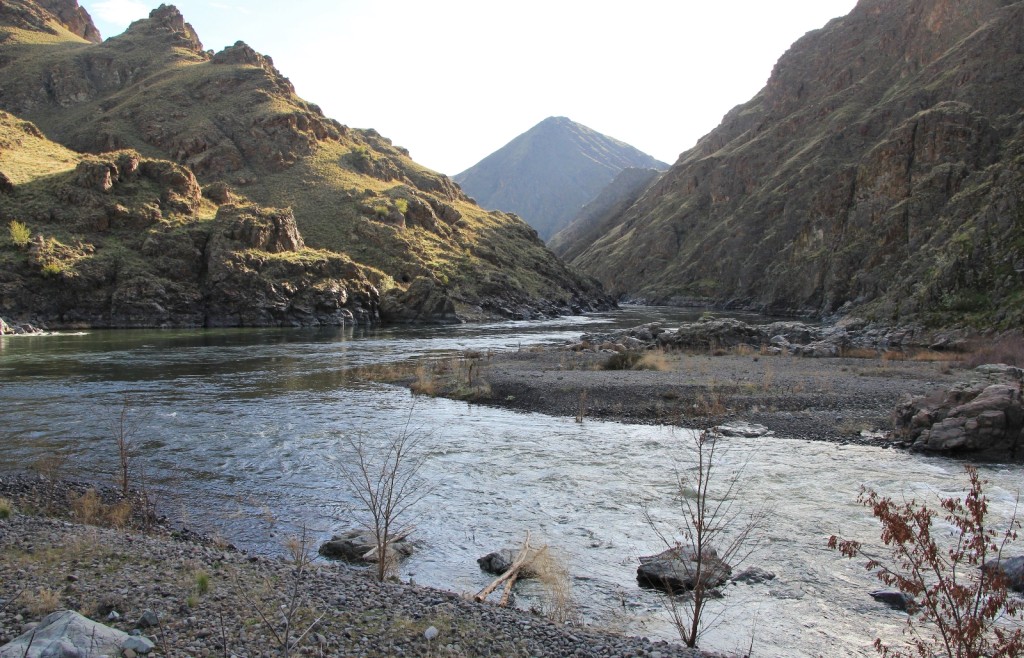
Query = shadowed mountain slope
x=599 y=216
x=546 y=174
x=881 y=167
x=234 y=121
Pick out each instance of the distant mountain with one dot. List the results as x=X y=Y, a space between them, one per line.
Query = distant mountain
x=599 y=216
x=374 y=220
x=546 y=174
x=880 y=170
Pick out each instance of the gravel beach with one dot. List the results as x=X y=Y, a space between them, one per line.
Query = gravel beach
x=819 y=399
x=207 y=599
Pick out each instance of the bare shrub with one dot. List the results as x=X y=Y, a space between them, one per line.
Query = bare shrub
x=282 y=606
x=384 y=476
x=713 y=534
x=957 y=604
x=126 y=428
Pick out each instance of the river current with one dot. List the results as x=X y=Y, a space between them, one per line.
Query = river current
x=242 y=431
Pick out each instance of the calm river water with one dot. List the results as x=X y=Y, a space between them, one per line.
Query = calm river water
x=241 y=437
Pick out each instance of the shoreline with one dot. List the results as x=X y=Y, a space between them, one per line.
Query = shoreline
x=838 y=399
x=207 y=598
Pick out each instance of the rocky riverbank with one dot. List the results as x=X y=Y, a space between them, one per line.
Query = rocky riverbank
x=795 y=380
x=198 y=598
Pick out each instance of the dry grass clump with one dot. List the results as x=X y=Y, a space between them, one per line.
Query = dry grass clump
x=859 y=353
x=6 y=509
x=1008 y=349
x=90 y=509
x=42 y=602
x=552 y=572
x=636 y=360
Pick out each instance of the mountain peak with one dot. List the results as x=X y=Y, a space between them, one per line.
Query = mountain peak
x=166 y=22
x=547 y=173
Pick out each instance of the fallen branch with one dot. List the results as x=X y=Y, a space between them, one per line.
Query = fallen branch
x=510 y=574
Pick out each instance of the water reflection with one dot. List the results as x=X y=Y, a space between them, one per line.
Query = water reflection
x=243 y=434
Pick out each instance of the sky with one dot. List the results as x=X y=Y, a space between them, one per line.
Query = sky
x=455 y=80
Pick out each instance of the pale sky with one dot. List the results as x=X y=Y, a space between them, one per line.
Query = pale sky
x=455 y=80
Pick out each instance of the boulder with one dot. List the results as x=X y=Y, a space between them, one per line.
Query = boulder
x=754 y=576
x=66 y=633
x=975 y=416
x=1012 y=568
x=498 y=562
x=359 y=546
x=893 y=598
x=6 y=186
x=675 y=570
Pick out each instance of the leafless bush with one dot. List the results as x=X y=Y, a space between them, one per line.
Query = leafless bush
x=713 y=534
x=281 y=606
x=384 y=476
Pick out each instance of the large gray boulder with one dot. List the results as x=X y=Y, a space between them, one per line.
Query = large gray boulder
x=676 y=570
x=67 y=634
x=984 y=415
x=1012 y=568
x=359 y=546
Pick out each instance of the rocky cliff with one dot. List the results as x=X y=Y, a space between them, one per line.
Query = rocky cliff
x=234 y=121
x=881 y=168
x=546 y=174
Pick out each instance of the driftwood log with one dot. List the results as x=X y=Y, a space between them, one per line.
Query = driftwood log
x=510 y=576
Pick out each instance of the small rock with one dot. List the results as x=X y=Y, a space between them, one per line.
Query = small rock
x=148 y=619
x=892 y=598
x=431 y=633
x=138 y=644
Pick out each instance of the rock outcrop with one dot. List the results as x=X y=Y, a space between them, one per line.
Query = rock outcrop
x=67 y=633
x=882 y=166
x=984 y=415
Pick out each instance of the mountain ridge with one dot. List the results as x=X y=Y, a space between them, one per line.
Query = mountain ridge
x=879 y=169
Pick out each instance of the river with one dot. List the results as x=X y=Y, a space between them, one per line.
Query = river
x=242 y=430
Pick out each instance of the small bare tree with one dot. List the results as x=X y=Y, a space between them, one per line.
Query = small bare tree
x=955 y=586
x=384 y=476
x=126 y=427
x=715 y=537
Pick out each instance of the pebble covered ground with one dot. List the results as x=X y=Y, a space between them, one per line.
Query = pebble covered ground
x=818 y=399
x=211 y=600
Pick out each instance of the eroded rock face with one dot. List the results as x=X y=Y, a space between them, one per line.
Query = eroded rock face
x=985 y=415
x=76 y=19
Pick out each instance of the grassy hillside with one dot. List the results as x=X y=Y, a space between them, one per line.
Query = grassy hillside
x=233 y=119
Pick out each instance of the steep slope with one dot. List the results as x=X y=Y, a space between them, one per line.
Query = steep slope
x=233 y=119
x=546 y=174
x=598 y=217
x=881 y=167
x=120 y=240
